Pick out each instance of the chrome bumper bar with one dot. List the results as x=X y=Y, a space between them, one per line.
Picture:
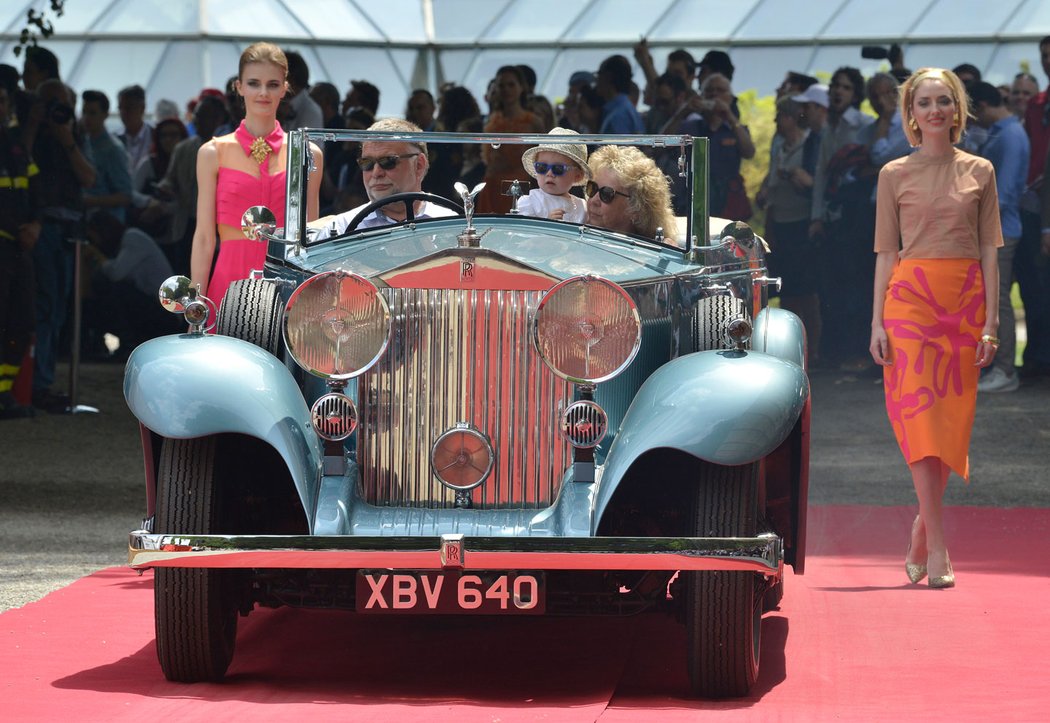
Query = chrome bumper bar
x=762 y=554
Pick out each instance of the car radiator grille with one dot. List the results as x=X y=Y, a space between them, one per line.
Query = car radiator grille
x=461 y=356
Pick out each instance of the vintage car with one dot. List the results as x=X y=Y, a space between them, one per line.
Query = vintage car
x=478 y=415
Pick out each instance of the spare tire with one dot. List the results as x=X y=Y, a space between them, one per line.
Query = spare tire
x=710 y=316
x=252 y=310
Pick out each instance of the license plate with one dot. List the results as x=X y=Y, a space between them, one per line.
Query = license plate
x=455 y=593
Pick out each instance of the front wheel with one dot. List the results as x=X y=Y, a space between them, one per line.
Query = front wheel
x=195 y=609
x=723 y=609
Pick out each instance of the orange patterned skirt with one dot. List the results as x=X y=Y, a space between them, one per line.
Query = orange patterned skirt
x=933 y=316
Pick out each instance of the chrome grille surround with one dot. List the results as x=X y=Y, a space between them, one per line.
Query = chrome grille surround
x=461 y=355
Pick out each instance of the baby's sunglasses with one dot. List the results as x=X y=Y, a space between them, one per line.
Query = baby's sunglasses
x=387 y=163
x=558 y=169
x=605 y=193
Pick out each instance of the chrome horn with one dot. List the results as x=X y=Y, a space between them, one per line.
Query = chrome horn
x=179 y=295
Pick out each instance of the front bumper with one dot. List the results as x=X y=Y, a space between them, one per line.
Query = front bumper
x=762 y=554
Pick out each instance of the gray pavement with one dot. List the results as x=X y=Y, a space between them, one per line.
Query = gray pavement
x=71 y=487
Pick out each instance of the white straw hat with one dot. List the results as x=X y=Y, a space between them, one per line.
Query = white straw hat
x=576 y=151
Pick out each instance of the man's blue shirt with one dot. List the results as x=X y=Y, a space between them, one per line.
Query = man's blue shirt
x=1008 y=149
x=620 y=116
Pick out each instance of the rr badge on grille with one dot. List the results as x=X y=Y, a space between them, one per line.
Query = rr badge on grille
x=452 y=551
x=467 y=267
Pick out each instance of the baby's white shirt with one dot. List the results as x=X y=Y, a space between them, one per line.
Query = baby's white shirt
x=540 y=203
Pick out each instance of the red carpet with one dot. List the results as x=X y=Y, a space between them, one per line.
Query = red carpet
x=851 y=641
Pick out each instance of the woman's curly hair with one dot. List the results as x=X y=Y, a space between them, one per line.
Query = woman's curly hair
x=649 y=206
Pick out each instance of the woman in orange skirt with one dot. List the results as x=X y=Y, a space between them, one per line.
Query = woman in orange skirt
x=936 y=310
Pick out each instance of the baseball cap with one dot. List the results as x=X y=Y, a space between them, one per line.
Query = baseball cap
x=584 y=77
x=816 y=93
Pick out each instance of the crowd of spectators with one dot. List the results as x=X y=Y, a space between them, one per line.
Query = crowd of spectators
x=132 y=195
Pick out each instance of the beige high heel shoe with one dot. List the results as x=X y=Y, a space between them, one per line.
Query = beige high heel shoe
x=939 y=582
x=916 y=571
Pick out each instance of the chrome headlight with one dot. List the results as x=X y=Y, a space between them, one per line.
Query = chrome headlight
x=462 y=458
x=337 y=325
x=587 y=329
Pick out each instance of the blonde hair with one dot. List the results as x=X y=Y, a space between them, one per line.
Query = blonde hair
x=649 y=206
x=263 y=52
x=959 y=96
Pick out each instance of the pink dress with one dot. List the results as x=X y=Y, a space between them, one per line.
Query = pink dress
x=235 y=192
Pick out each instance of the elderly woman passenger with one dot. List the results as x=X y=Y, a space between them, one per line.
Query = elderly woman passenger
x=629 y=194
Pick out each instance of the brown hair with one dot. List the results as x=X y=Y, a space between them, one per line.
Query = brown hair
x=959 y=96
x=263 y=52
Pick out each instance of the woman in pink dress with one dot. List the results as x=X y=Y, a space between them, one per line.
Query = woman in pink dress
x=243 y=169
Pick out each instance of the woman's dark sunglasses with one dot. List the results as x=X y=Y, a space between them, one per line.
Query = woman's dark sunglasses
x=558 y=169
x=385 y=162
x=605 y=193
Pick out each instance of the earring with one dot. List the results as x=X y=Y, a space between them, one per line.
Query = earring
x=913 y=124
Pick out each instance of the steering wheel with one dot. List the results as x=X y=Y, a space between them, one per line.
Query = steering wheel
x=409 y=199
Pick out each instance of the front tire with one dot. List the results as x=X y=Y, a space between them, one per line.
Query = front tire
x=195 y=609
x=723 y=609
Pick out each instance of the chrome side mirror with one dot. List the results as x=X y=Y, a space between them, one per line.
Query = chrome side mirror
x=259 y=224
x=739 y=232
x=744 y=237
x=179 y=295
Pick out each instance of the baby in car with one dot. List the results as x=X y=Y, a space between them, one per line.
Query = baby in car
x=557 y=167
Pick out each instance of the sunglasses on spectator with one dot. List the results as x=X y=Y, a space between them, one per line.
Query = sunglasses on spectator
x=558 y=169
x=387 y=163
x=605 y=193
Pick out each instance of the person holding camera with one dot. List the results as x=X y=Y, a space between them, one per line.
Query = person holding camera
x=65 y=172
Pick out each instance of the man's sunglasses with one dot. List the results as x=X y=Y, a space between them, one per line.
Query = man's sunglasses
x=558 y=169
x=605 y=193
x=387 y=163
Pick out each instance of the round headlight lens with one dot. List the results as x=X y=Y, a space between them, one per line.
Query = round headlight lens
x=587 y=329
x=337 y=325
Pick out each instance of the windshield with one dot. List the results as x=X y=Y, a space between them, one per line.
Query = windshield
x=374 y=179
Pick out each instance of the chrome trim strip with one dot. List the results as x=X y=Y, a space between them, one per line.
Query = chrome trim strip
x=320 y=135
x=763 y=554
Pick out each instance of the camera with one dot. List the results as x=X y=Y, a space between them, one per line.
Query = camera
x=877 y=52
x=58 y=112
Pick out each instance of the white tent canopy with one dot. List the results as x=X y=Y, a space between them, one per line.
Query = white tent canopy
x=174 y=48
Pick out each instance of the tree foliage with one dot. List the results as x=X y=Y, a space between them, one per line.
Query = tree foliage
x=39 y=25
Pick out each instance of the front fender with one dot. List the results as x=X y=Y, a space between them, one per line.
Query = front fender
x=780 y=333
x=726 y=407
x=198 y=385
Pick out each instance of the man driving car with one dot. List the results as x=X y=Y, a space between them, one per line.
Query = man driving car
x=388 y=167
